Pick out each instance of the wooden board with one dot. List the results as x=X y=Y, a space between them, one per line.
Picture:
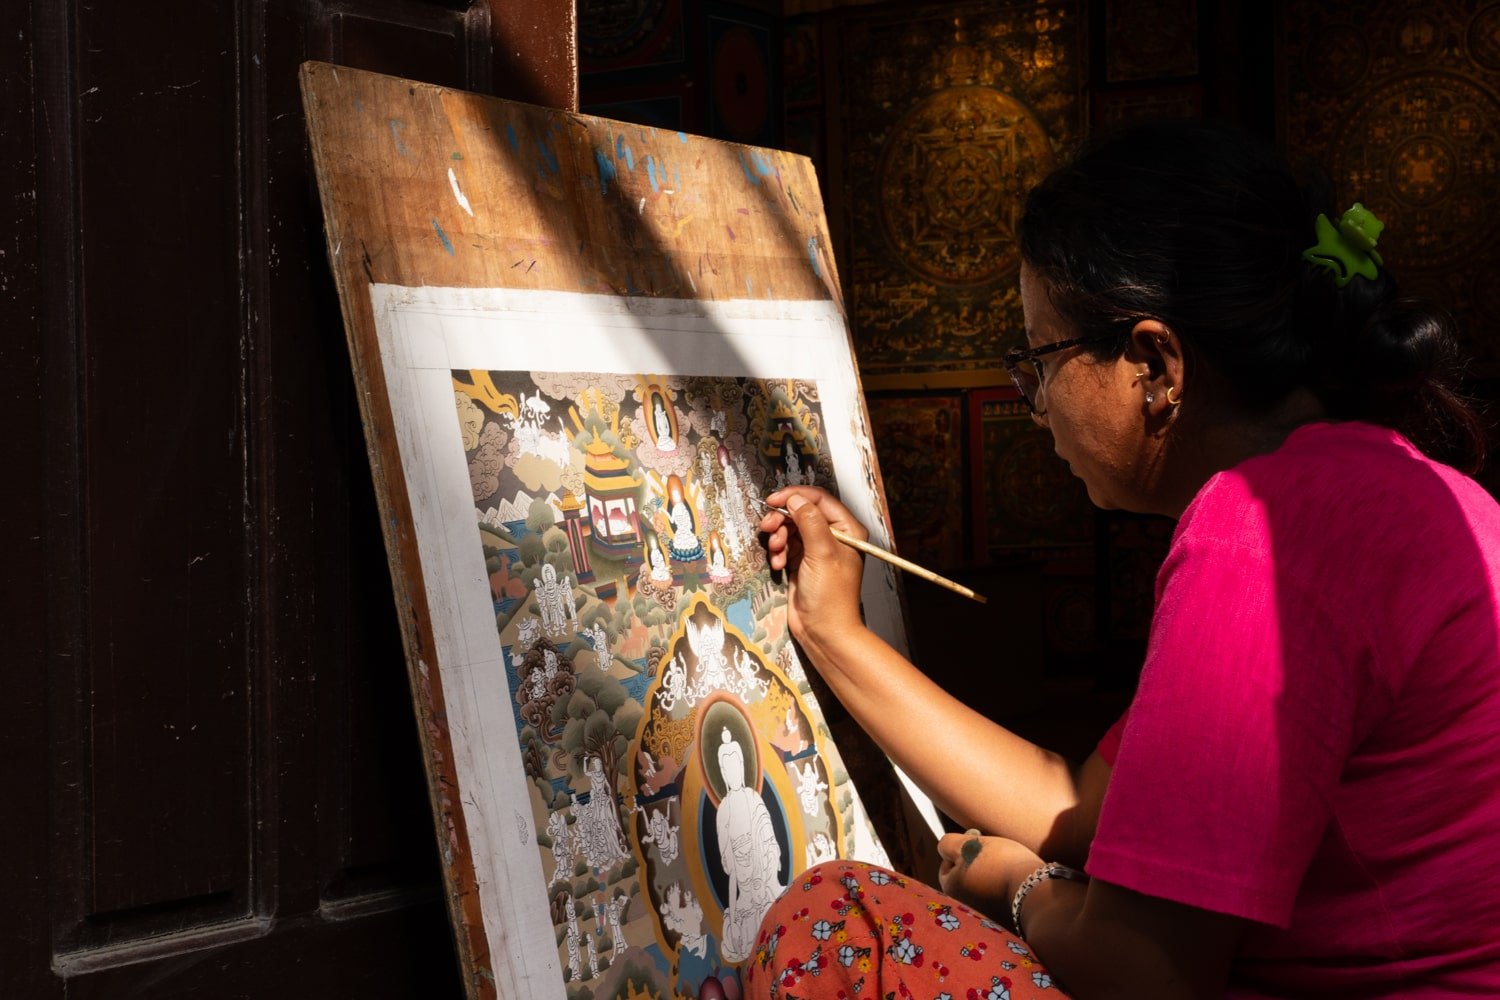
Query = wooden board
x=644 y=293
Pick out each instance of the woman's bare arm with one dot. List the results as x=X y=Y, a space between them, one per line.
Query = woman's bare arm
x=977 y=772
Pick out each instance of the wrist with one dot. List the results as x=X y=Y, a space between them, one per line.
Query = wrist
x=830 y=641
x=1047 y=872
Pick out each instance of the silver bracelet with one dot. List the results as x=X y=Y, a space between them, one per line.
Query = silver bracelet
x=1050 y=870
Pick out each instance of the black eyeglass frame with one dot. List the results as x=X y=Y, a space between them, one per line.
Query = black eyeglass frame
x=1013 y=359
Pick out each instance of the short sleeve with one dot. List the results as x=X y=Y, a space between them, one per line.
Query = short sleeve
x=1228 y=759
x=1108 y=747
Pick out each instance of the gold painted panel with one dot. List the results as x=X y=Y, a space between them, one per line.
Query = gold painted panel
x=1398 y=101
x=950 y=117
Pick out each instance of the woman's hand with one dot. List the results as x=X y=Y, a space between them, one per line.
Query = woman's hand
x=823 y=574
x=984 y=872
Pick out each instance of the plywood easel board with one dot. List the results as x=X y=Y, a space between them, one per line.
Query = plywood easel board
x=580 y=348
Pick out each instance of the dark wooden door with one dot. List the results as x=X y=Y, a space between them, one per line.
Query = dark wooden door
x=211 y=777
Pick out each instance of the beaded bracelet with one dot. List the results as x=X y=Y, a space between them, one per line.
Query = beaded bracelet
x=1050 y=870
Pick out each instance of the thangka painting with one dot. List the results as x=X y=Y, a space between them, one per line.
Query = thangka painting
x=649 y=755
x=1150 y=39
x=1397 y=102
x=951 y=113
x=1025 y=498
x=920 y=441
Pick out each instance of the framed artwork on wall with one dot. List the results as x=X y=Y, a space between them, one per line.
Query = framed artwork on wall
x=1121 y=106
x=628 y=34
x=920 y=439
x=744 y=74
x=1024 y=497
x=1150 y=39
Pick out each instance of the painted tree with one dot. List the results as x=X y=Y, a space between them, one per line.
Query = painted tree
x=597 y=720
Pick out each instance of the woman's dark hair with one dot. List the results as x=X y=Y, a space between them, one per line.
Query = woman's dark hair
x=1202 y=227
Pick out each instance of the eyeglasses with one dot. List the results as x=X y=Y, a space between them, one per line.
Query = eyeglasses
x=1025 y=367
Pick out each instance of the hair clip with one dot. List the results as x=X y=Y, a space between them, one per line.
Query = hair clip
x=1349 y=248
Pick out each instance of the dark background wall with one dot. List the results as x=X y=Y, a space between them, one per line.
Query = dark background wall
x=895 y=104
x=210 y=771
x=211 y=781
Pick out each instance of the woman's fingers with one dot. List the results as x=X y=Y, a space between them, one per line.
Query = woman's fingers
x=829 y=507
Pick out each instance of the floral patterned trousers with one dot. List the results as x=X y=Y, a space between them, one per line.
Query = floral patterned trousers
x=847 y=930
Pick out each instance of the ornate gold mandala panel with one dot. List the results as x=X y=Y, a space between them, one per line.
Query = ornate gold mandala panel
x=952 y=179
x=950 y=116
x=1428 y=143
x=1397 y=100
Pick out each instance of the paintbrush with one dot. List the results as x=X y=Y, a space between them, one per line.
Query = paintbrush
x=890 y=557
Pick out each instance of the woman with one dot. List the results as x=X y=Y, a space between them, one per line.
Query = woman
x=1304 y=796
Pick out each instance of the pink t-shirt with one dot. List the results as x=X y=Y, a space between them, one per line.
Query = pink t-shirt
x=1315 y=742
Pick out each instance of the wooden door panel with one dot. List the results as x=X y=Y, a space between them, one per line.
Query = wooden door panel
x=431 y=46
x=399 y=954
x=210 y=729
x=162 y=551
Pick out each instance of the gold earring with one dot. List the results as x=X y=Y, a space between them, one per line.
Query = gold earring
x=1162 y=338
x=1170 y=401
x=1142 y=374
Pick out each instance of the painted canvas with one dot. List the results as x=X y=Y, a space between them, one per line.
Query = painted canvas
x=648 y=763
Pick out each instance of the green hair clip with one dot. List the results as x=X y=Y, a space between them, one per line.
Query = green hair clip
x=1349 y=248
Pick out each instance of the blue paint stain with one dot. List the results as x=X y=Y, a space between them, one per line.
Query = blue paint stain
x=812 y=255
x=396 y=126
x=624 y=152
x=447 y=243
x=651 y=173
x=765 y=168
x=549 y=158
x=676 y=179
x=607 y=170
x=682 y=138
x=745 y=166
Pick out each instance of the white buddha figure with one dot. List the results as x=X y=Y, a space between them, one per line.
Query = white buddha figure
x=600 y=639
x=737 y=527
x=593 y=955
x=537 y=686
x=682 y=914
x=661 y=833
x=659 y=571
x=562 y=846
x=718 y=572
x=707 y=643
x=820 y=849
x=748 y=851
x=684 y=545
x=598 y=821
x=554 y=600
x=617 y=908
x=810 y=788
x=663 y=424
x=574 y=972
